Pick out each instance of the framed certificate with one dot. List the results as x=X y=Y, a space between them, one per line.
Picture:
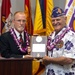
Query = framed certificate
x=38 y=46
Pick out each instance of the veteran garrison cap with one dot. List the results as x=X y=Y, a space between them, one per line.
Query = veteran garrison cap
x=57 y=11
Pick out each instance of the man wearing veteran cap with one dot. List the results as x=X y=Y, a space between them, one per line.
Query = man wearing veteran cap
x=60 y=46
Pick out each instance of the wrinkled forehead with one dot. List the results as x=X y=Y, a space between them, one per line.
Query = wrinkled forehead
x=60 y=17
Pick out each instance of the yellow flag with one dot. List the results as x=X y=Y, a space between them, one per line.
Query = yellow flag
x=49 y=7
x=38 y=22
x=42 y=21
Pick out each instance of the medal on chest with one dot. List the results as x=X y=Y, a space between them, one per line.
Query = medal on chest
x=59 y=44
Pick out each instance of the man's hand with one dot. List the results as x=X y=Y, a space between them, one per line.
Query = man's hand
x=27 y=56
x=46 y=60
x=29 y=50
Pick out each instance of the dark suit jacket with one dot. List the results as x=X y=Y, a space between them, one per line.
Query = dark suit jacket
x=9 y=47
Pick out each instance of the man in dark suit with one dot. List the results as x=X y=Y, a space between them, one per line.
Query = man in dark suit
x=15 y=42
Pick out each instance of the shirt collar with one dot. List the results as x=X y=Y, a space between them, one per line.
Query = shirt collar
x=17 y=33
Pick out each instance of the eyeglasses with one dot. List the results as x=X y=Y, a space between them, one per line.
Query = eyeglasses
x=19 y=21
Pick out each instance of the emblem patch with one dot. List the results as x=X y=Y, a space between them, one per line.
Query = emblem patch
x=59 y=44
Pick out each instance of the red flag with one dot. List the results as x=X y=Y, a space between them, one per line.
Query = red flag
x=29 y=25
x=5 y=11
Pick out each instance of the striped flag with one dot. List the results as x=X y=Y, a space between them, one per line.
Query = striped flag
x=29 y=25
x=5 y=15
x=42 y=22
x=40 y=17
x=70 y=12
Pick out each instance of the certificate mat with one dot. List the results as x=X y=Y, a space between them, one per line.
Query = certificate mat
x=38 y=46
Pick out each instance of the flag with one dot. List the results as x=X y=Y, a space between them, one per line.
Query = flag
x=5 y=15
x=42 y=22
x=70 y=12
x=40 y=17
x=74 y=18
x=37 y=68
x=49 y=7
x=29 y=25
